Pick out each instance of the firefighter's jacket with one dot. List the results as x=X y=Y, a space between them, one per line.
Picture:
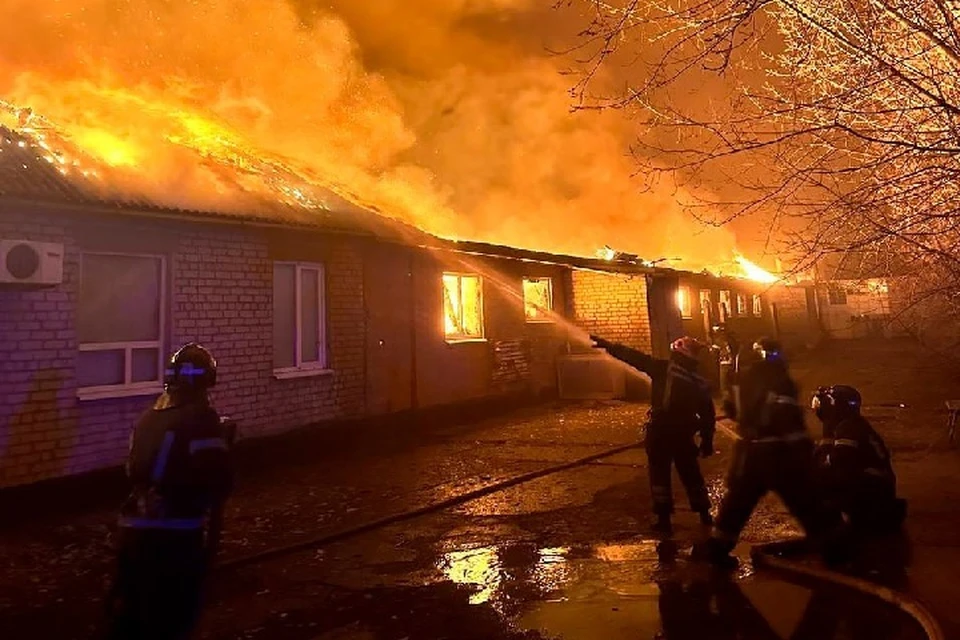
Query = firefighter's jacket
x=681 y=401
x=854 y=457
x=179 y=466
x=765 y=402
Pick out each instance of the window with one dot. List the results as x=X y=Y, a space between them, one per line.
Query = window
x=705 y=305
x=741 y=304
x=462 y=306
x=724 y=305
x=757 y=306
x=299 y=312
x=120 y=324
x=684 y=303
x=537 y=299
x=836 y=294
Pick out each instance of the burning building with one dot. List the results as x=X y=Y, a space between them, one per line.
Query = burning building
x=317 y=309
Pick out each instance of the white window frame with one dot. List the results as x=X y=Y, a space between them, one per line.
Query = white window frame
x=742 y=310
x=548 y=318
x=302 y=369
x=128 y=388
x=725 y=305
x=706 y=302
x=456 y=338
x=757 y=309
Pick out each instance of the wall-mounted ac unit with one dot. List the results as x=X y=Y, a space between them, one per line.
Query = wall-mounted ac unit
x=31 y=263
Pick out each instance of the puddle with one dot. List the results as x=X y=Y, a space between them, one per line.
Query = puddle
x=646 y=589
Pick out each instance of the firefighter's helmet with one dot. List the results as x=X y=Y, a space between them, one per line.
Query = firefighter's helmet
x=192 y=367
x=838 y=401
x=687 y=346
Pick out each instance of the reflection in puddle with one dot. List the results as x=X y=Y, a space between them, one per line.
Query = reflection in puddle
x=552 y=569
x=642 y=550
x=474 y=567
x=643 y=588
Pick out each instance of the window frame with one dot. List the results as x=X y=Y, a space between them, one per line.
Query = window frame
x=757 y=309
x=302 y=369
x=742 y=305
x=541 y=320
x=451 y=338
x=706 y=302
x=128 y=388
x=685 y=293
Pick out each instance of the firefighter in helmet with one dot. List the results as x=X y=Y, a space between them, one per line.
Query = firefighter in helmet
x=180 y=473
x=681 y=407
x=773 y=453
x=852 y=463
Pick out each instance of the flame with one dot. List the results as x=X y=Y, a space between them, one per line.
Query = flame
x=606 y=253
x=754 y=272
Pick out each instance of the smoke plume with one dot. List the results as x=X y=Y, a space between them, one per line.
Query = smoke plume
x=449 y=114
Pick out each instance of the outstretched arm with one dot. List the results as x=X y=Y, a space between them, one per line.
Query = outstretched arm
x=633 y=357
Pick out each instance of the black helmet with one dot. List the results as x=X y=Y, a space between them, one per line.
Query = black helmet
x=838 y=401
x=191 y=368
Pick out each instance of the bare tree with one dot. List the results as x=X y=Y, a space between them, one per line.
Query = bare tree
x=850 y=107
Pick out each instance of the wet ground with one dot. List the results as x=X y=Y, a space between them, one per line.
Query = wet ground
x=559 y=558
x=563 y=556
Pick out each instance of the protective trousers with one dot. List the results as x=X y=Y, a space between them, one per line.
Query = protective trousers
x=157 y=593
x=783 y=467
x=666 y=449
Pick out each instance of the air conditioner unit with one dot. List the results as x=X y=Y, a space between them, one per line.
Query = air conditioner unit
x=31 y=263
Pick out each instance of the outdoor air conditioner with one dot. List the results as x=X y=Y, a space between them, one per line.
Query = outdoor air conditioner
x=31 y=263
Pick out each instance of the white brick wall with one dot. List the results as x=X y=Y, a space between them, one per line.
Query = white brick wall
x=219 y=293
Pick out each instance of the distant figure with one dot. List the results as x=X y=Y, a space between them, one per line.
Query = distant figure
x=180 y=471
x=681 y=407
x=853 y=469
x=773 y=454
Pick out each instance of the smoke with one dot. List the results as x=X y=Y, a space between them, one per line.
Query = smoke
x=445 y=113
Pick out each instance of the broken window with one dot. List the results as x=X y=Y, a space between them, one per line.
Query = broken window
x=120 y=323
x=684 y=303
x=298 y=318
x=757 y=305
x=741 y=304
x=537 y=299
x=462 y=306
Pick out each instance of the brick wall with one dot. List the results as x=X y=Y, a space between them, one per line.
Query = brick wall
x=613 y=306
x=219 y=283
x=453 y=372
x=38 y=418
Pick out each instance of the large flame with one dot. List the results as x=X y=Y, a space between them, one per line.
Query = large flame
x=415 y=108
x=755 y=272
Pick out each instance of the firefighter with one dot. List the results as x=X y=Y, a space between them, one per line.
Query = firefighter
x=681 y=407
x=852 y=463
x=774 y=453
x=180 y=473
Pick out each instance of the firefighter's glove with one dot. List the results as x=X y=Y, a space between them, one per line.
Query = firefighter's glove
x=706 y=448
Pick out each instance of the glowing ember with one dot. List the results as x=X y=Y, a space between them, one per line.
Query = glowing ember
x=754 y=272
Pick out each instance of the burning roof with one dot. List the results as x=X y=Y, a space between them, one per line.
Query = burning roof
x=37 y=165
